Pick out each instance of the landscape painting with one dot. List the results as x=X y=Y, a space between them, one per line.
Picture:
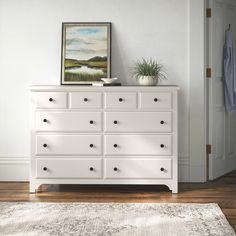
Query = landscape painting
x=85 y=52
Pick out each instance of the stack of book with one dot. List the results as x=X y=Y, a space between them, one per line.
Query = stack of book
x=105 y=84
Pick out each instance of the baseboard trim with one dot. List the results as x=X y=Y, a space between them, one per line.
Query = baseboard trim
x=17 y=169
x=183 y=169
x=14 y=168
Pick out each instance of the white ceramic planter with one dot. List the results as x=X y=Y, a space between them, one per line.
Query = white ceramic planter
x=147 y=80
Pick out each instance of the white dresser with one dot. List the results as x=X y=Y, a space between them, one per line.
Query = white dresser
x=104 y=135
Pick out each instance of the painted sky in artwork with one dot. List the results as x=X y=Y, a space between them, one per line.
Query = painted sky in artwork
x=85 y=42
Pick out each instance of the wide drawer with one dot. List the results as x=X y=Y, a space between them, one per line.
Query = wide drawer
x=68 y=168
x=85 y=100
x=139 y=144
x=69 y=121
x=155 y=100
x=138 y=168
x=120 y=100
x=68 y=145
x=49 y=99
x=138 y=121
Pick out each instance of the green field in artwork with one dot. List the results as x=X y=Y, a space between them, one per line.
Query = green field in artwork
x=86 y=70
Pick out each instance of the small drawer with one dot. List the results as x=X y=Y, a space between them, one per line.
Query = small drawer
x=69 y=121
x=85 y=100
x=155 y=100
x=68 y=168
x=138 y=168
x=49 y=99
x=120 y=100
x=68 y=145
x=138 y=122
x=138 y=144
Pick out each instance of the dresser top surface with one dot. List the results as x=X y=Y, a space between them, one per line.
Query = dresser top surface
x=38 y=88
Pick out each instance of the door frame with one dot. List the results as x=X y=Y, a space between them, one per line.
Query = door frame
x=197 y=91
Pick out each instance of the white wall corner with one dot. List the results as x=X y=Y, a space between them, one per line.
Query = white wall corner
x=14 y=168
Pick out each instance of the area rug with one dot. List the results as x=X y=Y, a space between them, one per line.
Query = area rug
x=124 y=219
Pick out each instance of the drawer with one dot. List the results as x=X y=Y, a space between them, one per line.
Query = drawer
x=69 y=121
x=68 y=145
x=155 y=100
x=68 y=168
x=85 y=100
x=138 y=168
x=120 y=100
x=138 y=144
x=138 y=121
x=50 y=99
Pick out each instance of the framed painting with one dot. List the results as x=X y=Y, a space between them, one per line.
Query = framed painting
x=86 y=52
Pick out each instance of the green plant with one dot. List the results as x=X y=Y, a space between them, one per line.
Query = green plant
x=148 y=67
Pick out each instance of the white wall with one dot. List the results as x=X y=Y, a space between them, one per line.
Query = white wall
x=30 y=45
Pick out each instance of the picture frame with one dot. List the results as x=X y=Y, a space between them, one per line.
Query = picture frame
x=85 y=52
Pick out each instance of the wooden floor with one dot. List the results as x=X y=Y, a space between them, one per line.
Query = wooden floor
x=221 y=191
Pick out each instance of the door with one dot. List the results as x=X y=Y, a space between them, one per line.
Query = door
x=221 y=125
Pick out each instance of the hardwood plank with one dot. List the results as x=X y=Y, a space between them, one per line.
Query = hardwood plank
x=221 y=191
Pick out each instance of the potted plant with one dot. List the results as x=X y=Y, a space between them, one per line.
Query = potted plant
x=148 y=72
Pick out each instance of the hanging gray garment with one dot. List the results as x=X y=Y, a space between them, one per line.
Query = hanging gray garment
x=229 y=73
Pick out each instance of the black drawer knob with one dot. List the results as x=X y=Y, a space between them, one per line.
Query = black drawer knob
x=45 y=168
x=115 y=145
x=162 y=122
x=91 y=169
x=115 y=122
x=155 y=100
x=91 y=145
x=162 y=145
x=91 y=122
x=45 y=120
x=85 y=99
x=45 y=145
x=50 y=99
x=120 y=99
x=162 y=169
x=115 y=169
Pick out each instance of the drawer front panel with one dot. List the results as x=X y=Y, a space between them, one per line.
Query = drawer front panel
x=155 y=100
x=50 y=99
x=68 y=145
x=69 y=121
x=138 y=122
x=68 y=168
x=138 y=144
x=85 y=100
x=138 y=168
x=120 y=100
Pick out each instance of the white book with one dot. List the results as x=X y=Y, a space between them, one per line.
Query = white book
x=97 y=83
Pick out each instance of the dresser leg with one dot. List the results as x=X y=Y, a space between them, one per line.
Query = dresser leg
x=175 y=191
x=174 y=188
x=32 y=187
